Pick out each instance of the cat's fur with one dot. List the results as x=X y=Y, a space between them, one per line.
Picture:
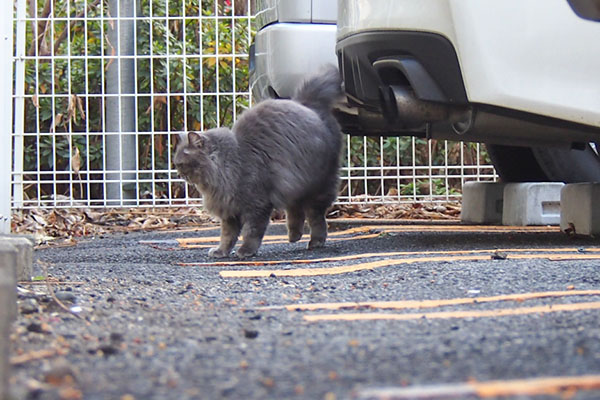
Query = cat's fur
x=280 y=154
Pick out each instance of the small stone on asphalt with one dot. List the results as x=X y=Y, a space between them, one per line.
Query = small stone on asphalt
x=64 y=295
x=29 y=306
x=250 y=334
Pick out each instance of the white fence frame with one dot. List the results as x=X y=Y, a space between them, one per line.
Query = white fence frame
x=364 y=181
x=6 y=83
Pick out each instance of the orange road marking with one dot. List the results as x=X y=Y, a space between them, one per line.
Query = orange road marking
x=269 y=240
x=502 y=312
x=469 y=228
x=198 y=229
x=537 y=386
x=335 y=270
x=200 y=242
x=389 y=262
x=385 y=254
x=407 y=304
x=350 y=231
x=214 y=241
x=556 y=385
x=278 y=239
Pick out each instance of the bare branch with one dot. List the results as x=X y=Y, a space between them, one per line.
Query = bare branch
x=63 y=34
x=42 y=25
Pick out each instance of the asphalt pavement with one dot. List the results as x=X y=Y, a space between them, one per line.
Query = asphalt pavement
x=404 y=311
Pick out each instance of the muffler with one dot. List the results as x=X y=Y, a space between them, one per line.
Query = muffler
x=400 y=106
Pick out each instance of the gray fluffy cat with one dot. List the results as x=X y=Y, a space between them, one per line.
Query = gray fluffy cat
x=280 y=154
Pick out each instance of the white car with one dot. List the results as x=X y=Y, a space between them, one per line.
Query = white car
x=521 y=76
x=294 y=38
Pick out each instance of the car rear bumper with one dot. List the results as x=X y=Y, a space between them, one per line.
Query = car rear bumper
x=291 y=55
x=422 y=77
x=548 y=68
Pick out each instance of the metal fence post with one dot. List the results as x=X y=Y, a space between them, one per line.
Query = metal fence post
x=120 y=110
x=6 y=75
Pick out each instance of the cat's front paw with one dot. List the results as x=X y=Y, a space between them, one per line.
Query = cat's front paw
x=244 y=253
x=316 y=243
x=294 y=236
x=216 y=252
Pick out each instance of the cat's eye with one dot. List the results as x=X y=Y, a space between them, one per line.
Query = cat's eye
x=187 y=150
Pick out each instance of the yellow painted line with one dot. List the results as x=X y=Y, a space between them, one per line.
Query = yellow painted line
x=566 y=386
x=460 y=227
x=394 y=261
x=334 y=270
x=181 y=230
x=537 y=386
x=214 y=241
x=282 y=241
x=201 y=242
x=350 y=231
x=470 y=228
x=385 y=254
x=502 y=312
x=279 y=239
x=419 y=304
x=565 y=257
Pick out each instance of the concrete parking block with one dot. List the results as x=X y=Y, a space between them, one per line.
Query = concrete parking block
x=482 y=202
x=24 y=248
x=532 y=203
x=8 y=308
x=580 y=208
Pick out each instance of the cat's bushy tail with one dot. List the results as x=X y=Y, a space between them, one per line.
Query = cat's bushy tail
x=320 y=91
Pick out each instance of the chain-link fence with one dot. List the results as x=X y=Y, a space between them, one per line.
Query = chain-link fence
x=104 y=87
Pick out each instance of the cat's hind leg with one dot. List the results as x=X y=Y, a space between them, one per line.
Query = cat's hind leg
x=253 y=230
x=230 y=230
x=318 y=225
x=295 y=222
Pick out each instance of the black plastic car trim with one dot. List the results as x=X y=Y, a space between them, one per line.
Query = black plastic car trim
x=419 y=79
x=586 y=9
x=434 y=54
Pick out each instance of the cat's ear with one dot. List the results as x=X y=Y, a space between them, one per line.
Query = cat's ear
x=196 y=139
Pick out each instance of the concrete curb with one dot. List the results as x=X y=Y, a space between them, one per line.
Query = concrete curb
x=9 y=255
x=482 y=203
x=24 y=246
x=580 y=209
x=532 y=203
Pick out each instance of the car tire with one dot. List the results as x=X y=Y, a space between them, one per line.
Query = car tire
x=515 y=164
x=545 y=164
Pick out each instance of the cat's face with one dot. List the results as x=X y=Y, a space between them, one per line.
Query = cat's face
x=191 y=157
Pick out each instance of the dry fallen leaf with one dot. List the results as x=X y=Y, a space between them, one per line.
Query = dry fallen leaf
x=446 y=211
x=46 y=225
x=57 y=121
x=76 y=160
x=72 y=109
x=80 y=107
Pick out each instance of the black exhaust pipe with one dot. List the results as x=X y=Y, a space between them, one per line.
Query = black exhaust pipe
x=401 y=106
